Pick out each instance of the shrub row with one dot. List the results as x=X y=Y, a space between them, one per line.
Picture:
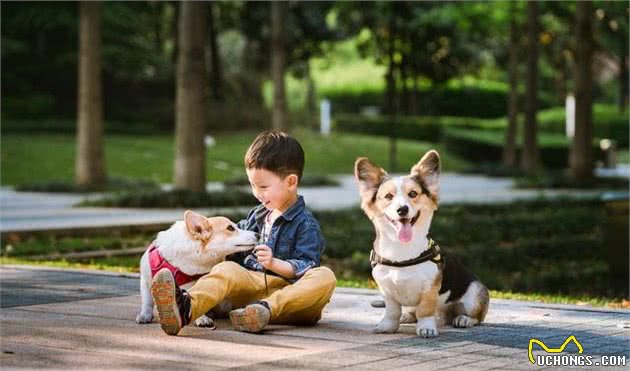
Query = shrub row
x=428 y=128
x=175 y=199
x=113 y=184
x=609 y=122
x=449 y=101
x=487 y=146
x=10 y=126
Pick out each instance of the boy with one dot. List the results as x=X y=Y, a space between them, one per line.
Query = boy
x=281 y=281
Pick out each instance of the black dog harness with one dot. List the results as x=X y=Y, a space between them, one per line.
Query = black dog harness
x=432 y=253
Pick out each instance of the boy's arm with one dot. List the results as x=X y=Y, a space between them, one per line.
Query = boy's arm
x=309 y=246
x=281 y=267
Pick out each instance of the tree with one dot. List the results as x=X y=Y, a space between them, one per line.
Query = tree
x=581 y=157
x=216 y=75
x=530 y=155
x=90 y=158
x=279 y=10
x=191 y=98
x=509 y=150
x=613 y=20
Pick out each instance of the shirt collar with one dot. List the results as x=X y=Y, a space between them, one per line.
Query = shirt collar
x=289 y=215
x=294 y=210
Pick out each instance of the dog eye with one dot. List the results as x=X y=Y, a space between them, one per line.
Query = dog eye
x=413 y=194
x=231 y=228
x=389 y=196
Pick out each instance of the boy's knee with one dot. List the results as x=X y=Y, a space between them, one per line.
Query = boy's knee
x=324 y=277
x=226 y=269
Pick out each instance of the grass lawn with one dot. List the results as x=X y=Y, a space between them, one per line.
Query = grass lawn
x=45 y=157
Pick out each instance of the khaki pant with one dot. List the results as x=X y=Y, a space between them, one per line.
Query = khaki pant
x=300 y=303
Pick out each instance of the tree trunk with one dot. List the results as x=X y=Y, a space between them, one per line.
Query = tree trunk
x=415 y=94
x=311 y=99
x=216 y=74
x=581 y=158
x=509 y=151
x=404 y=98
x=175 y=31
x=191 y=98
x=623 y=74
x=391 y=106
x=279 y=10
x=90 y=158
x=530 y=157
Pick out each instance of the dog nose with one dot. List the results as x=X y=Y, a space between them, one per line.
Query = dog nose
x=403 y=210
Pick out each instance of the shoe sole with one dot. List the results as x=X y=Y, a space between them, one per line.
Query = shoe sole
x=163 y=291
x=248 y=320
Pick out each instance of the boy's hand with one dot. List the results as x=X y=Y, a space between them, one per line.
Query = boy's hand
x=264 y=255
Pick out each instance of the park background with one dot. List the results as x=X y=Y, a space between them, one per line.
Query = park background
x=147 y=102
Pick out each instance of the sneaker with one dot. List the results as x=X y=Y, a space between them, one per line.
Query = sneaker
x=173 y=303
x=252 y=318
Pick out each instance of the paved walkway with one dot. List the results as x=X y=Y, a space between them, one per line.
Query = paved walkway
x=24 y=211
x=65 y=319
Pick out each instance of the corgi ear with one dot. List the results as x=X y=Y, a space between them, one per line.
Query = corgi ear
x=427 y=173
x=197 y=226
x=369 y=176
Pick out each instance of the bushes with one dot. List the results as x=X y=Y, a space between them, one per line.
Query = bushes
x=608 y=122
x=474 y=139
x=113 y=184
x=429 y=128
x=11 y=126
x=468 y=102
x=175 y=199
x=487 y=146
x=486 y=102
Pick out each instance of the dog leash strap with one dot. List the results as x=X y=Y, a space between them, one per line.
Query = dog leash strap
x=266 y=285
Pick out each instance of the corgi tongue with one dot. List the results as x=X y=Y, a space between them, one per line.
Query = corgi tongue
x=405 y=232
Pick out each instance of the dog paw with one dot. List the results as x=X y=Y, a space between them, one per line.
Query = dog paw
x=386 y=327
x=464 y=321
x=427 y=327
x=144 y=318
x=408 y=318
x=427 y=332
x=205 y=321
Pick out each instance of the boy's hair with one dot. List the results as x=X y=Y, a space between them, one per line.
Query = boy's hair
x=277 y=152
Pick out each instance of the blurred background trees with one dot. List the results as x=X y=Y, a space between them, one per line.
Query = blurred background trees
x=447 y=72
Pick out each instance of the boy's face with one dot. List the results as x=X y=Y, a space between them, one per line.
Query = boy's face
x=274 y=192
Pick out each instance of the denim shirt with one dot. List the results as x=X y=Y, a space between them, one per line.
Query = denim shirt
x=295 y=237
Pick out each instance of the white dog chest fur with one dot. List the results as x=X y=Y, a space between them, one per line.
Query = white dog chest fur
x=405 y=285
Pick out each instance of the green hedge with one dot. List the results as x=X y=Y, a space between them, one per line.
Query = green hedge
x=487 y=146
x=608 y=122
x=174 y=199
x=428 y=128
x=450 y=101
x=10 y=126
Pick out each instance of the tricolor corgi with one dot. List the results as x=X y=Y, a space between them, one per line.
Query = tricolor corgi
x=190 y=248
x=417 y=279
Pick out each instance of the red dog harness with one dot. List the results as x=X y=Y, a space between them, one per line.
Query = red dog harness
x=157 y=262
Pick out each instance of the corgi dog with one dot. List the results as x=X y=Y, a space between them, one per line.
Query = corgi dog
x=420 y=284
x=190 y=248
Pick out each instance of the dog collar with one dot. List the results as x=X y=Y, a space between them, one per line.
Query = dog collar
x=157 y=262
x=432 y=253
